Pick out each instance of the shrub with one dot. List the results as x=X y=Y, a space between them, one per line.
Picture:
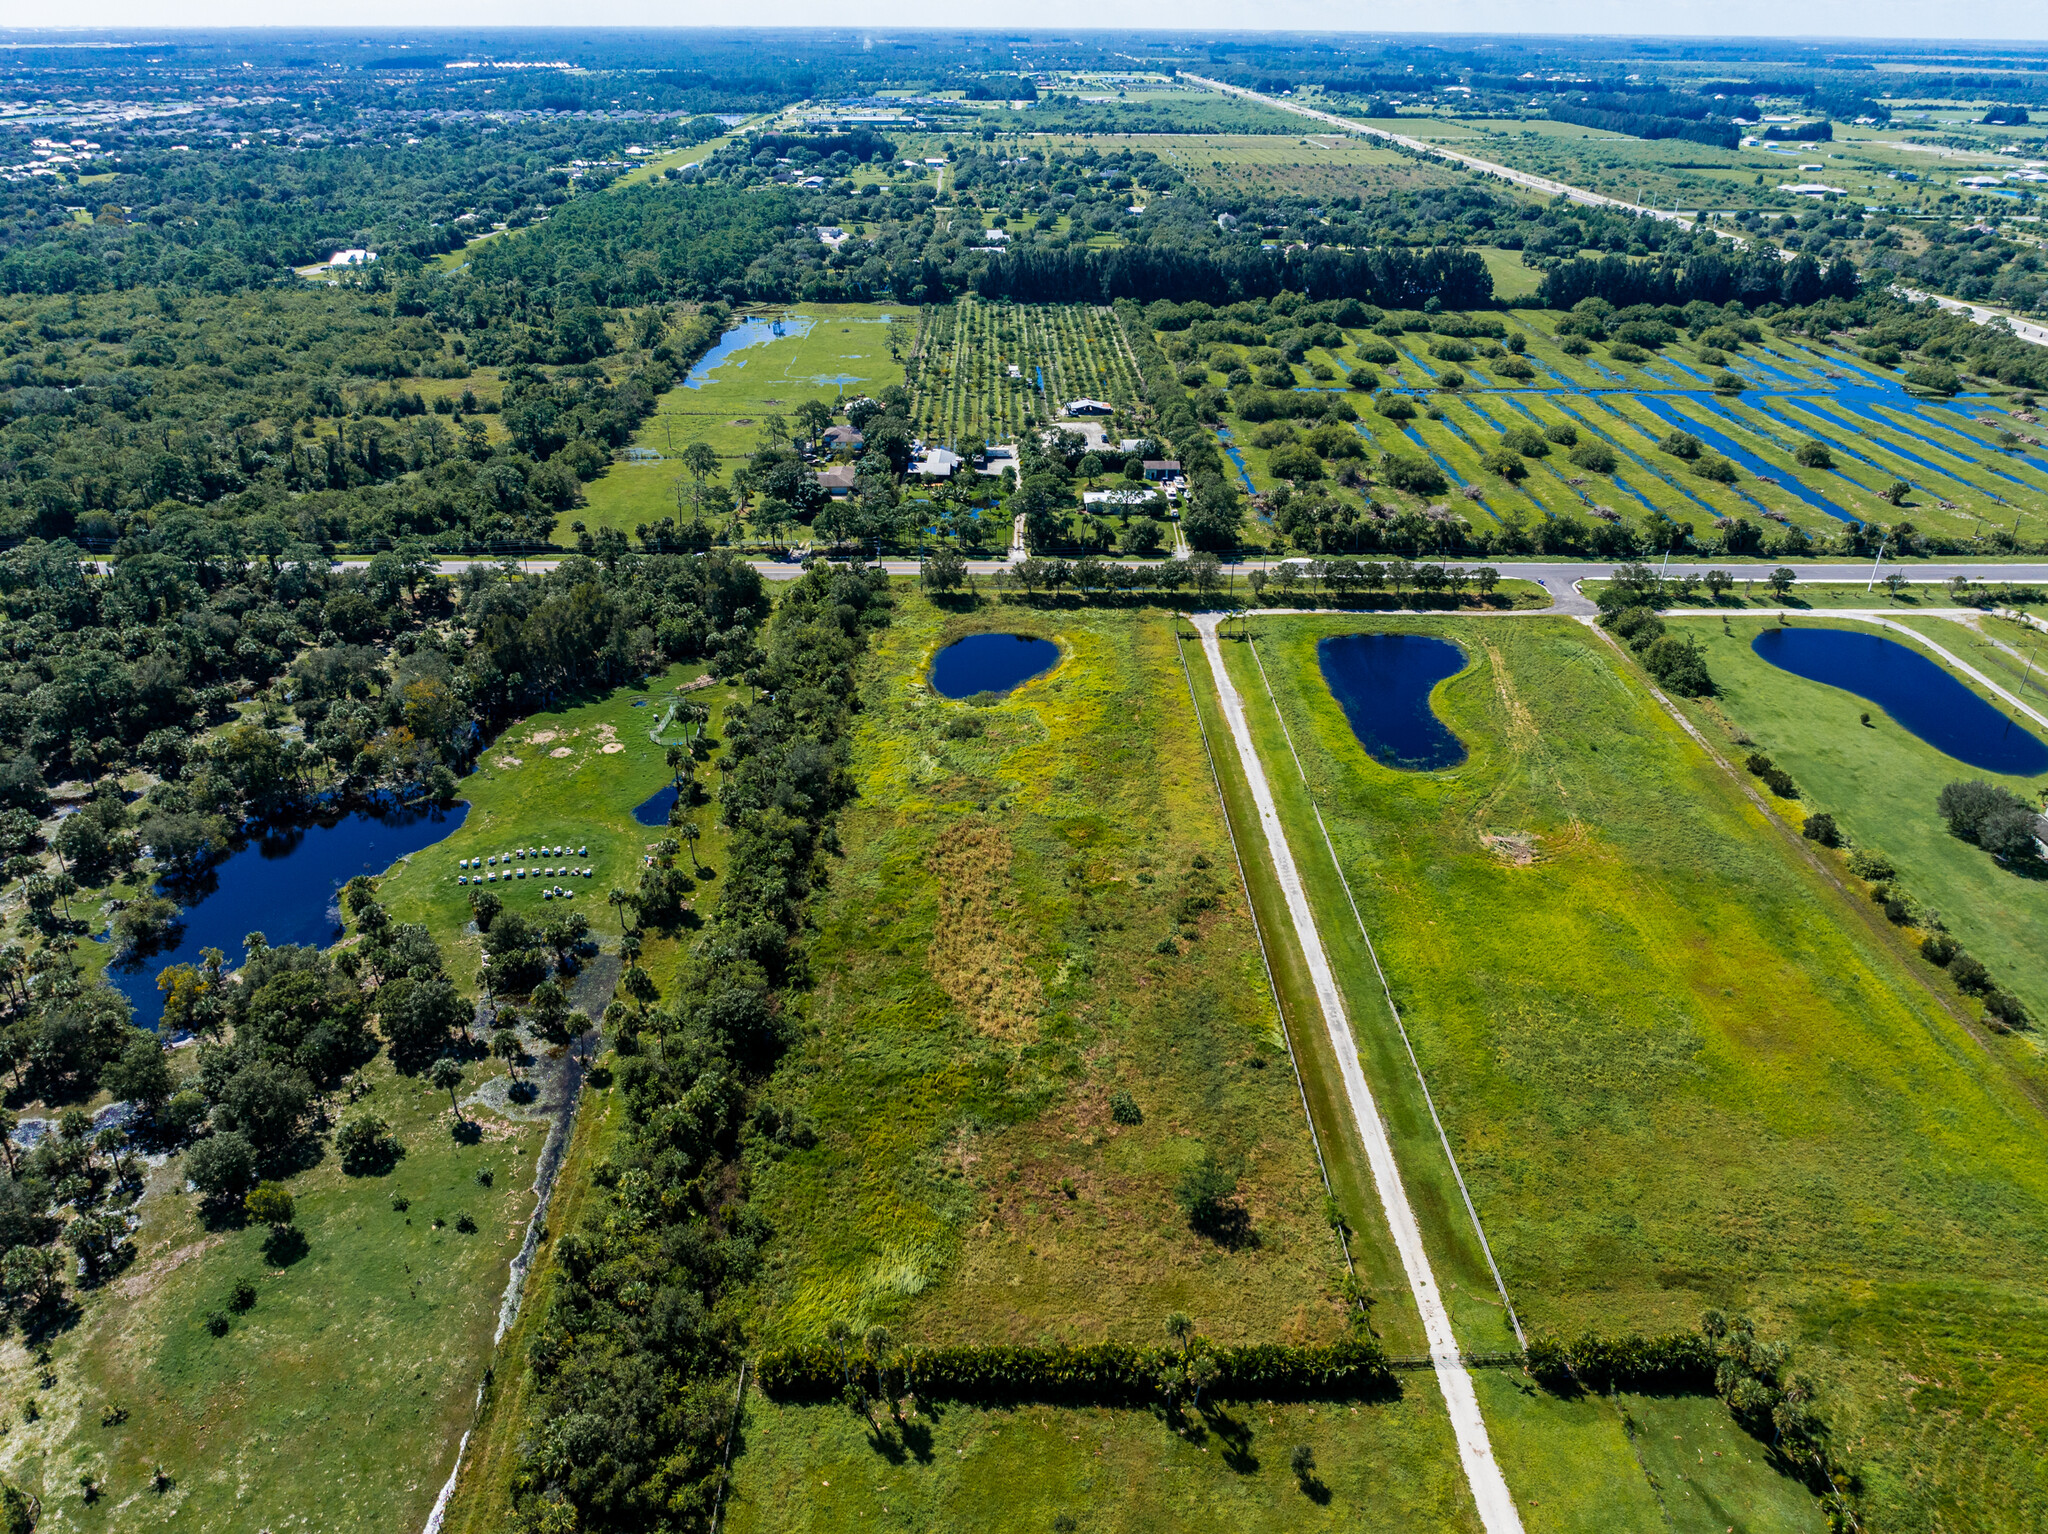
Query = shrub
x=1595 y=458
x=1821 y=828
x=217 y=1322
x=1622 y=351
x=1717 y=469
x=1514 y=367
x=465 y=1224
x=1934 y=378
x=1504 y=463
x=1779 y=782
x=1937 y=948
x=1871 y=865
x=1124 y=1109
x=1206 y=1193
x=1396 y=407
x=1681 y=444
x=1574 y=346
x=1679 y=664
x=2006 y=1008
x=243 y=1295
x=964 y=727
x=1378 y=352
x=1416 y=475
x=366 y=1146
x=271 y=1204
x=1526 y=440
x=1813 y=454
x=1728 y=383
x=1563 y=433
x=1969 y=974
x=1758 y=763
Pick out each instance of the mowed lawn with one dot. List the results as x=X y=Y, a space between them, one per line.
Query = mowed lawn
x=845 y=352
x=1681 y=1070
x=1880 y=782
x=998 y=955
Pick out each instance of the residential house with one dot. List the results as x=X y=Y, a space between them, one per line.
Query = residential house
x=841 y=439
x=837 y=480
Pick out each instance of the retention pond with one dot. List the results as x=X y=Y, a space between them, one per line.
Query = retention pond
x=1382 y=682
x=1913 y=690
x=991 y=663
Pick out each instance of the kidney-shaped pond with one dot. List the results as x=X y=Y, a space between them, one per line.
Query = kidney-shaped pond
x=284 y=883
x=1383 y=682
x=991 y=663
x=1912 y=689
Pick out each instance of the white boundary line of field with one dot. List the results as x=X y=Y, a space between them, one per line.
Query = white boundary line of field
x=1386 y=990
x=1490 y=1493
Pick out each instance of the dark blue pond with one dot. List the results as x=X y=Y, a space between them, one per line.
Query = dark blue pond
x=284 y=884
x=1913 y=690
x=991 y=663
x=653 y=810
x=1383 y=682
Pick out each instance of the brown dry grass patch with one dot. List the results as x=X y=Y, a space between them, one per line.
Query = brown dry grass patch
x=972 y=953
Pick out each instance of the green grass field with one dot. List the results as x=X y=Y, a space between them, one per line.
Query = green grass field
x=1681 y=1069
x=1880 y=782
x=336 y=1401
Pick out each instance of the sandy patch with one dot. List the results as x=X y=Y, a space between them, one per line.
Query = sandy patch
x=541 y=737
x=562 y=751
x=613 y=748
x=509 y=762
x=140 y=1283
x=1515 y=847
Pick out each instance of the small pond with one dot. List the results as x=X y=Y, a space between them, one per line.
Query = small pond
x=1383 y=682
x=1913 y=690
x=991 y=663
x=653 y=810
x=752 y=331
x=285 y=883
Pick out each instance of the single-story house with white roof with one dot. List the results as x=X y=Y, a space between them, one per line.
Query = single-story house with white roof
x=1090 y=407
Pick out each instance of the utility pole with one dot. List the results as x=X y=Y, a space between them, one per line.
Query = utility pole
x=1877 y=561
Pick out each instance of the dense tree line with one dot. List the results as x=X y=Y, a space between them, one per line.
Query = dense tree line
x=1396 y=278
x=1752 y=278
x=1650 y=116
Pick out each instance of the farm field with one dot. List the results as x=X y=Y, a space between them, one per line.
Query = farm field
x=1880 y=782
x=1330 y=164
x=964 y=395
x=1959 y=477
x=1626 y=1001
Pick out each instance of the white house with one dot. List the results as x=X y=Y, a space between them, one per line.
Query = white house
x=1090 y=407
x=352 y=258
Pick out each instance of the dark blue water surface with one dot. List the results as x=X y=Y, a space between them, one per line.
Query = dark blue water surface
x=653 y=810
x=1913 y=690
x=284 y=884
x=991 y=663
x=1383 y=682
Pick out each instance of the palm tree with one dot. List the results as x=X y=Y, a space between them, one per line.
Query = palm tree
x=629 y=948
x=506 y=1047
x=446 y=1077
x=690 y=831
x=618 y=899
x=675 y=756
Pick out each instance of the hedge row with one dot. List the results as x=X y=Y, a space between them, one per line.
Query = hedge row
x=1676 y=1361
x=1097 y=1374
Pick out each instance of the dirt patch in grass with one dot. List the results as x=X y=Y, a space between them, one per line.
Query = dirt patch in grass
x=973 y=949
x=137 y=1284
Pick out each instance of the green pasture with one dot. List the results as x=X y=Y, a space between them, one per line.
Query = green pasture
x=1680 y=1067
x=336 y=1401
x=1880 y=782
x=1383 y=1465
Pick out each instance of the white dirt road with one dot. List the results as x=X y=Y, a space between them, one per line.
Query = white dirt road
x=1490 y=1493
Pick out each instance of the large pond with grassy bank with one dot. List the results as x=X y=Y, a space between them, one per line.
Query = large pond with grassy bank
x=1383 y=682
x=1912 y=689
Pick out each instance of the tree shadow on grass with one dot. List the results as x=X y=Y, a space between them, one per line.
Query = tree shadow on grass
x=1236 y=1434
x=284 y=1246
